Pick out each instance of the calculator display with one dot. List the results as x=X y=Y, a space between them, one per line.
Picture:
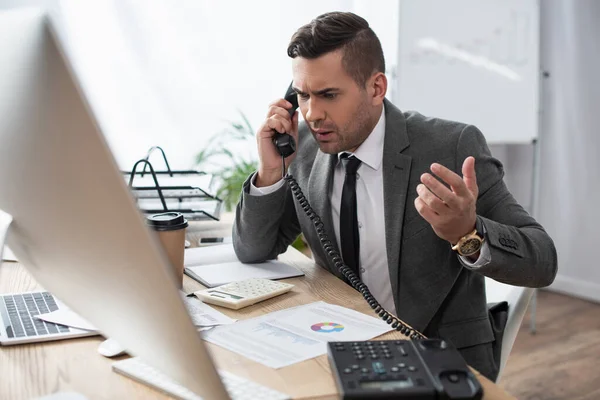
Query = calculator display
x=217 y=293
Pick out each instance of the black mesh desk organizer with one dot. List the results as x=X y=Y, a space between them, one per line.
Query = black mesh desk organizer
x=159 y=191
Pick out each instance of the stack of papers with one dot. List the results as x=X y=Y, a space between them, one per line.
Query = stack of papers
x=218 y=265
x=296 y=334
x=204 y=315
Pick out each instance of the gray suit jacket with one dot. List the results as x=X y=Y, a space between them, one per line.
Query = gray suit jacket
x=433 y=291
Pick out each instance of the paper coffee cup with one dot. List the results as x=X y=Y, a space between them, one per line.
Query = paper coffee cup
x=170 y=227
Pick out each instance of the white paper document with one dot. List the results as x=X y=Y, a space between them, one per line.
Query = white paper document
x=296 y=334
x=65 y=316
x=209 y=255
x=8 y=255
x=218 y=265
x=204 y=315
x=5 y=221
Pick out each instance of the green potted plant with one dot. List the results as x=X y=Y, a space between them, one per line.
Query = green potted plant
x=232 y=168
x=229 y=168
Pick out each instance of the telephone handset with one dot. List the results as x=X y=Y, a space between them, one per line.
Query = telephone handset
x=286 y=146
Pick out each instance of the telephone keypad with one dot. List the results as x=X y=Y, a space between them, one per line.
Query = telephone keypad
x=396 y=369
x=375 y=352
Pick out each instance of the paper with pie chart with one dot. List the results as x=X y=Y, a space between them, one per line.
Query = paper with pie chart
x=327 y=322
x=296 y=334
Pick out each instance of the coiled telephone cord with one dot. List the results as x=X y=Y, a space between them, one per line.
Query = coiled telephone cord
x=343 y=268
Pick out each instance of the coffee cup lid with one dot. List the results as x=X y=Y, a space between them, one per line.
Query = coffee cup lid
x=169 y=221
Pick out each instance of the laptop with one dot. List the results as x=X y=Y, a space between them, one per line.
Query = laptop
x=75 y=225
x=18 y=311
x=19 y=324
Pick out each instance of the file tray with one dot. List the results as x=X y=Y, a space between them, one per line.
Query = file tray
x=194 y=203
x=181 y=191
x=166 y=179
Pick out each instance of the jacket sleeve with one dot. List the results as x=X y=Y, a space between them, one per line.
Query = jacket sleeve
x=264 y=225
x=522 y=253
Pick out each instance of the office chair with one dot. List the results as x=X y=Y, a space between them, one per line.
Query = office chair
x=517 y=299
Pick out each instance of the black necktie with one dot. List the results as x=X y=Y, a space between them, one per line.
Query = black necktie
x=348 y=220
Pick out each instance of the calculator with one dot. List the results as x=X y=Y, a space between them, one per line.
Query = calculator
x=244 y=293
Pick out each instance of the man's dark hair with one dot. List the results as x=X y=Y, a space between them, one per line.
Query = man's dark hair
x=361 y=50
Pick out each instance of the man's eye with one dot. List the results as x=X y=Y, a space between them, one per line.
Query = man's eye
x=303 y=96
x=330 y=96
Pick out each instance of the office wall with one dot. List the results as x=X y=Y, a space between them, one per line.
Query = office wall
x=176 y=73
x=570 y=167
x=569 y=178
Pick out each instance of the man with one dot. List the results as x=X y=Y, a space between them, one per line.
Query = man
x=389 y=189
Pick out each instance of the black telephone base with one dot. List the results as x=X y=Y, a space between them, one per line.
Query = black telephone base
x=402 y=369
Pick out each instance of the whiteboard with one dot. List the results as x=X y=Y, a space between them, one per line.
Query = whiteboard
x=472 y=61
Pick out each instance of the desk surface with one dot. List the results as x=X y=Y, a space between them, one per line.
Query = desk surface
x=33 y=370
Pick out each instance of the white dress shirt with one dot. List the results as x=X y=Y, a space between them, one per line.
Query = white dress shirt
x=373 y=265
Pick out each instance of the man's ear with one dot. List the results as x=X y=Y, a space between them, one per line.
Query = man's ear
x=377 y=88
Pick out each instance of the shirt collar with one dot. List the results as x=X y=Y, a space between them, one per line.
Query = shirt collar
x=370 y=152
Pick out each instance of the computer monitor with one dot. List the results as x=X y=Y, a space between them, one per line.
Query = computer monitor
x=75 y=225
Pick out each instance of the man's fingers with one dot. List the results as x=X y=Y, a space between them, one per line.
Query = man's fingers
x=279 y=123
x=434 y=202
x=441 y=191
x=276 y=110
x=282 y=103
x=451 y=178
x=469 y=176
x=426 y=212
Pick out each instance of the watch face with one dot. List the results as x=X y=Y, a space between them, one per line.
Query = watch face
x=470 y=246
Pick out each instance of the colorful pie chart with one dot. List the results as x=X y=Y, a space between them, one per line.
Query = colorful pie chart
x=327 y=327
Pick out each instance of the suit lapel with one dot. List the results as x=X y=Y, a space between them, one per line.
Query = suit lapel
x=396 y=175
x=319 y=187
x=419 y=287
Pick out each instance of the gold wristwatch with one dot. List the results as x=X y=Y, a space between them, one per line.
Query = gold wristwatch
x=469 y=244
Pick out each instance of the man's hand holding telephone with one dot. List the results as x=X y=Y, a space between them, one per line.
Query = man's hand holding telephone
x=283 y=119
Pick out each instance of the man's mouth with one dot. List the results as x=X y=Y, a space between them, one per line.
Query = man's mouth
x=322 y=134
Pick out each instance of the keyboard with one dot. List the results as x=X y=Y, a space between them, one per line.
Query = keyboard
x=237 y=387
x=21 y=309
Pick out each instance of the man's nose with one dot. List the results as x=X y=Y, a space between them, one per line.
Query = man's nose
x=314 y=113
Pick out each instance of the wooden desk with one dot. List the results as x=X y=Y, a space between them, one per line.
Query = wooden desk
x=34 y=370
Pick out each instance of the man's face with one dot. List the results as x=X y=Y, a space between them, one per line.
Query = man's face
x=339 y=113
